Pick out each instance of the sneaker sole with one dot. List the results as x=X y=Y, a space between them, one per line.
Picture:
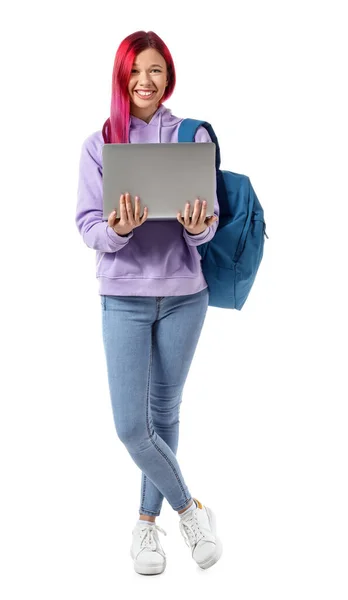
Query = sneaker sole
x=148 y=569
x=218 y=548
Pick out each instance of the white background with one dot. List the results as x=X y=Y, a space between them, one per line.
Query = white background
x=263 y=437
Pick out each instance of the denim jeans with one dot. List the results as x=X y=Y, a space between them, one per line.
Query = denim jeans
x=149 y=345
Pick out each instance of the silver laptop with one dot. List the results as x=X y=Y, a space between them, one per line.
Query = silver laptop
x=164 y=176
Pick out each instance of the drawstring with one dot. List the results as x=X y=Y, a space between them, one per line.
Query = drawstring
x=159 y=128
x=136 y=126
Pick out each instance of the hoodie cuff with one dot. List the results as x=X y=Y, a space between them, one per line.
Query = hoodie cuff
x=197 y=236
x=119 y=239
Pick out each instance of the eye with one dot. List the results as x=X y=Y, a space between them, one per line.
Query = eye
x=151 y=70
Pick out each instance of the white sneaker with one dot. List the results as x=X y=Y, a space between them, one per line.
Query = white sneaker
x=198 y=527
x=146 y=551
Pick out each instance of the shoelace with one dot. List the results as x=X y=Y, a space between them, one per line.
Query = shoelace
x=149 y=538
x=190 y=529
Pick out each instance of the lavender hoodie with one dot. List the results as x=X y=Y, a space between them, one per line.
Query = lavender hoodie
x=158 y=258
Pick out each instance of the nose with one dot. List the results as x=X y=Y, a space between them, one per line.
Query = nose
x=144 y=79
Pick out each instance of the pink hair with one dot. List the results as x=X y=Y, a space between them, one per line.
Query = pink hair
x=116 y=128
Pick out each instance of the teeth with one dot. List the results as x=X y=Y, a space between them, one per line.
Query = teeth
x=143 y=93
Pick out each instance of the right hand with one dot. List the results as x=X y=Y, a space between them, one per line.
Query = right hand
x=127 y=221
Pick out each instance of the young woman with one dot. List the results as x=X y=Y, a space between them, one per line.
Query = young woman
x=154 y=300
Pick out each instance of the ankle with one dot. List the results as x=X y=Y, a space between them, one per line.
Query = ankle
x=147 y=518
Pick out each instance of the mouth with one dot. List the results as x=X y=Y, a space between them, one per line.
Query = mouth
x=146 y=95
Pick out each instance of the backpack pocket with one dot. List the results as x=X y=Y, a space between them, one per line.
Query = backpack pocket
x=249 y=260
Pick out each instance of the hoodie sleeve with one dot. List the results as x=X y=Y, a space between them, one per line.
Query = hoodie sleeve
x=95 y=232
x=201 y=238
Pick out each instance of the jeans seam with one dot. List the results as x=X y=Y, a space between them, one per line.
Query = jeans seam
x=142 y=500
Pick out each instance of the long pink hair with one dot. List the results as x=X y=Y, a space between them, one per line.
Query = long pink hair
x=116 y=128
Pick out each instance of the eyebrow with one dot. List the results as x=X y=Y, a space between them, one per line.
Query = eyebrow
x=152 y=66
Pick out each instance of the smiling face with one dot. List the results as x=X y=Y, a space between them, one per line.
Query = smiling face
x=149 y=73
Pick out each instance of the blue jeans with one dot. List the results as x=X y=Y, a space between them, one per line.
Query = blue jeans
x=149 y=345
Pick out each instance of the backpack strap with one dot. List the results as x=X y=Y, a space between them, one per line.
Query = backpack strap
x=187 y=132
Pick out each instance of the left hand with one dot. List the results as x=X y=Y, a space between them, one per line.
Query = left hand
x=198 y=222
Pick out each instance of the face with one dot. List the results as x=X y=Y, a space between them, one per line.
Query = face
x=149 y=73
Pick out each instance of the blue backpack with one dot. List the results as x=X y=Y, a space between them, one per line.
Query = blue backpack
x=231 y=259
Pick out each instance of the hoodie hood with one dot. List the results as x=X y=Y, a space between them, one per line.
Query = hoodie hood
x=161 y=118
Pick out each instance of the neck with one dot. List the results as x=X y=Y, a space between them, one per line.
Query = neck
x=142 y=114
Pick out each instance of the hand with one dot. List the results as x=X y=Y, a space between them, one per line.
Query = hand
x=198 y=222
x=127 y=221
